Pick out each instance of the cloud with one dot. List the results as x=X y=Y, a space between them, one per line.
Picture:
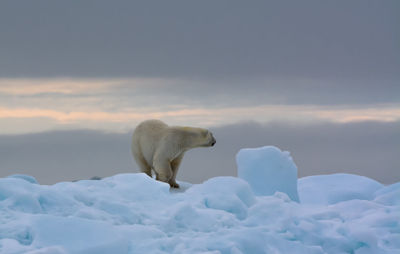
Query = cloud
x=27 y=86
x=69 y=86
x=343 y=115
x=186 y=115
x=311 y=39
x=116 y=104
x=217 y=93
x=65 y=155
x=364 y=148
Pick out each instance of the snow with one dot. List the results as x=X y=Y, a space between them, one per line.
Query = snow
x=268 y=170
x=331 y=189
x=132 y=213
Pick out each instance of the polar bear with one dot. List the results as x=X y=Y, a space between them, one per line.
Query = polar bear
x=159 y=147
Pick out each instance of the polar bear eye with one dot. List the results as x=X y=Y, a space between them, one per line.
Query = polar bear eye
x=205 y=133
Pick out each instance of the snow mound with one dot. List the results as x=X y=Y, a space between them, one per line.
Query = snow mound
x=30 y=179
x=133 y=213
x=389 y=195
x=268 y=170
x=331 y=189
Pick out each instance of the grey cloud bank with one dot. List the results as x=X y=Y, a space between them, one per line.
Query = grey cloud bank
x=200 y=39
x=212 y=93
x=368 y=148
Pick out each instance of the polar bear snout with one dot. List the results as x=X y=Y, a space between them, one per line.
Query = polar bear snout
x=213 y=141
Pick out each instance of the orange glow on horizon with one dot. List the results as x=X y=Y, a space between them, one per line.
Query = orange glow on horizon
x=25 y=86
x=211 y=116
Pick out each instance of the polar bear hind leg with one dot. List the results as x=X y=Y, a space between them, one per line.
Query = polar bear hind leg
x=144 y=167
x=163 y=170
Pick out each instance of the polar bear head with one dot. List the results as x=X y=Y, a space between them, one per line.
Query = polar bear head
x=207 y=138
x=199 y=137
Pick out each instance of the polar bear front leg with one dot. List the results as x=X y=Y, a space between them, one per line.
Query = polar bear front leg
x=175 y=166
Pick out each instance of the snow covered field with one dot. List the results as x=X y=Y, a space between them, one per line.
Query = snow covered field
x=265 y=210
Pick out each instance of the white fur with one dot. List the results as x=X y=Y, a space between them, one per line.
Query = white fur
x=159 y=147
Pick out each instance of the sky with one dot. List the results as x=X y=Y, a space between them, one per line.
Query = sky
x=320 y=79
